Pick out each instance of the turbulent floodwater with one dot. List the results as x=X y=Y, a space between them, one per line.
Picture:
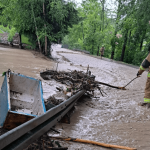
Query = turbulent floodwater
x=23 y=61
x=115 y=118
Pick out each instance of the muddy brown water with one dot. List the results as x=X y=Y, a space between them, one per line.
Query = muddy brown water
x=23 y=61
x=115 y=118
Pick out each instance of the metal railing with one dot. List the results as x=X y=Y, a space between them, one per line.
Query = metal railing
x=23 y=135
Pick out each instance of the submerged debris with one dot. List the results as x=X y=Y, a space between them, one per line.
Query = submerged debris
x=55 y=101
x=45 y=143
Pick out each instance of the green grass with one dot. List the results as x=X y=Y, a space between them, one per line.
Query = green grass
x=25 y=40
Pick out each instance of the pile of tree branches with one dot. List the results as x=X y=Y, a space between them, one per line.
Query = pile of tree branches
x=75 y=81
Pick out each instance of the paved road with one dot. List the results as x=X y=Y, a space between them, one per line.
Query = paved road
x=23 y=61
x=115 y=118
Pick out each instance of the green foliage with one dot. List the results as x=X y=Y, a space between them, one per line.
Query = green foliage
x=3 y=74
x=92 y=31
x=1 y=31
x=11 y=31
x=27 y=16
x=4 y=29
x=139 y=57
x=25 y=40
x=127 y=36
x=11 y=34
x=133 y=24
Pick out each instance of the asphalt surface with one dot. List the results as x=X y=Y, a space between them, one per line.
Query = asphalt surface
x=115 y=118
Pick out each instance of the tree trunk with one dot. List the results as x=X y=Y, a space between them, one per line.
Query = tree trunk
x=149 y=47
x=93 y=42
x=45 y=29
x=143 y=36
x=123 y=51
x=112 y=52
x=113 y=45
x=36 y=29
x=129 y=38
x=20 y=43
x=92 y=49
x=98 y=51
x=103 y=13
x=124 y=46
x=82 y=31
x=141 y=44
x=82 y=34
x=48 y=47
x=45 y=45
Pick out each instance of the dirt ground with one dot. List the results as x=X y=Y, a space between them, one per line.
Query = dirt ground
x=115 y=118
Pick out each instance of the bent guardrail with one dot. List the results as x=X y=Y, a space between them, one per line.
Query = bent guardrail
x=23 y=135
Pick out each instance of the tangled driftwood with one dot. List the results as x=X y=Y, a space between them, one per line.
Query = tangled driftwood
x=75 y=80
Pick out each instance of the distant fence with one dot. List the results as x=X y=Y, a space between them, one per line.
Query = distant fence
x=67 y=47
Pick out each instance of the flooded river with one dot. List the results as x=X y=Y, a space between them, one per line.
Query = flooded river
x=115 y=118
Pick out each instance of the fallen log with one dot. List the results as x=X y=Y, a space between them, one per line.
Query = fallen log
x=95 y=143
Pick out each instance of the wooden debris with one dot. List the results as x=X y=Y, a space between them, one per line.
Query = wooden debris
x=45 y=143
x=95 y=143
x=55 y=130
x=116 y=87
x=54 y=101
x=75 y=81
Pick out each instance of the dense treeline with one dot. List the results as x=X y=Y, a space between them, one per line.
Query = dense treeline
x=42 y=21
x=125 y=35
x=123 y=31
x=94 y=30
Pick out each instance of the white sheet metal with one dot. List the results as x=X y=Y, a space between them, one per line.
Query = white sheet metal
x=21 y=94
x=26 y=95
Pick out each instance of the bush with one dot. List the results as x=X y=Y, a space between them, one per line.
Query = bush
x=1 y=31
x=5 y=29
x=11 y=34
x=139 y=57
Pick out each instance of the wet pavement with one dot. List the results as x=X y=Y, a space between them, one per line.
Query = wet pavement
x=115 y=118
x=25 y=62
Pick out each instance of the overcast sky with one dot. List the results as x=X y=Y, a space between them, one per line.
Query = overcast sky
x=78 y=1
x=110 y=3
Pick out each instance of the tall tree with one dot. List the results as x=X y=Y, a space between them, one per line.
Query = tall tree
x=47 y=20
